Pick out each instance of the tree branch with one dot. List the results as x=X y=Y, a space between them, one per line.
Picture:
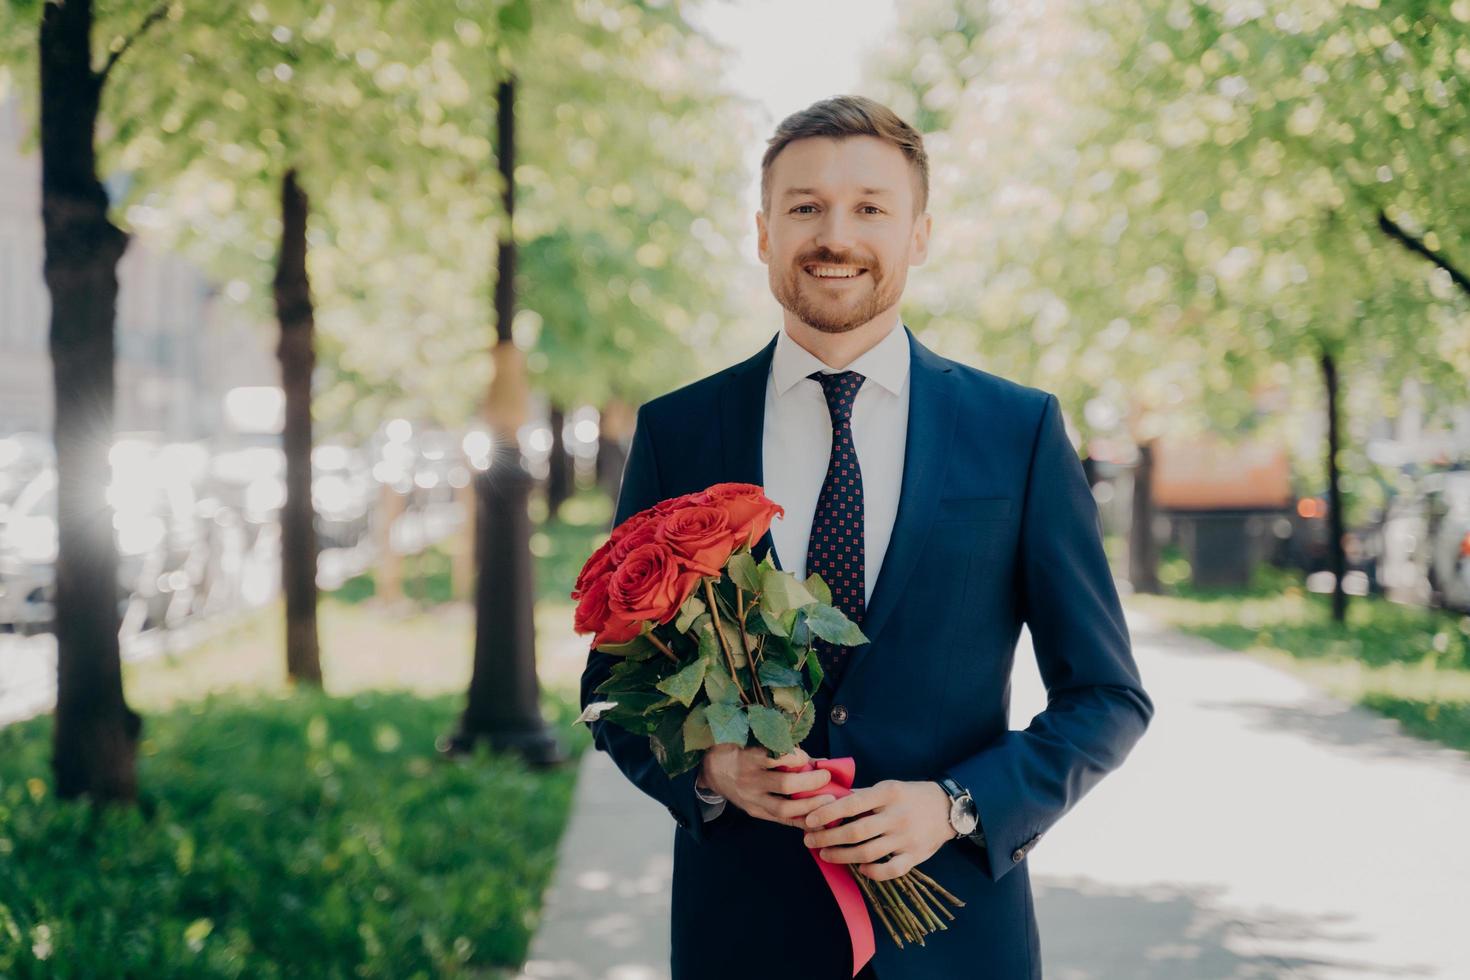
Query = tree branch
x=1408 y=241
x=154 y=16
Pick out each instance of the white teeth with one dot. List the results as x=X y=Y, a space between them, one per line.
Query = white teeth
x=833 y=272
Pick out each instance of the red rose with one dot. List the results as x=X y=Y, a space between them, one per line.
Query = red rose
x=700 y=537
x=597 y=566
x=649 y=584
x=748 y=511
x=594 y=616
x=677 y=503
x=638 y=535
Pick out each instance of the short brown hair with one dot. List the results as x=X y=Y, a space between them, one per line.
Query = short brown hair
x=843 y=116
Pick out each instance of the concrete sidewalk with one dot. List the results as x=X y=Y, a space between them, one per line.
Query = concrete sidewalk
x=1259 y=829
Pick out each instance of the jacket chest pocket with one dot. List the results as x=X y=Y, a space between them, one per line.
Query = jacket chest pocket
x=972 y=509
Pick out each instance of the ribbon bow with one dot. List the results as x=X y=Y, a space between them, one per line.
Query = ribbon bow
x=839 y=876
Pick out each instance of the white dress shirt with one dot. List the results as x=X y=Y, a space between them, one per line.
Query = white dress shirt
x=796 y=445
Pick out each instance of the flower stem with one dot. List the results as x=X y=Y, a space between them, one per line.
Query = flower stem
x=664 y=647
x=930 y=918
x=751 y=656
x=714 y=611
x=938 y=888
x=933 y=898
x=873 y=900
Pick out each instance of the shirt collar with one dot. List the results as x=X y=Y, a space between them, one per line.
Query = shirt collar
x=885 y=363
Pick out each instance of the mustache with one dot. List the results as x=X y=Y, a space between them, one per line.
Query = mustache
x=832 y=258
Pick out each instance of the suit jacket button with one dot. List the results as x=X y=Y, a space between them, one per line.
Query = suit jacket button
x=839 y=714
x=1018 y=854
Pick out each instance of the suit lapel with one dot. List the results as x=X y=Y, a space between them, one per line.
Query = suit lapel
x=931 y=427
x=742 y=428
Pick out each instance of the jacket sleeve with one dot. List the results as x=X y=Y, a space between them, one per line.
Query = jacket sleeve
x=641 y=489
x=1024 y=781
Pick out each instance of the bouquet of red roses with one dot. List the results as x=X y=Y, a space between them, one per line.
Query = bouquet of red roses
x=717 y=648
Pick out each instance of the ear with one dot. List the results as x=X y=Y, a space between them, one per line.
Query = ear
x=762 y=238
x=919 y=247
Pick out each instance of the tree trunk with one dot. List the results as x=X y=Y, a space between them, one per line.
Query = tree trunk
x=559 y=473
x=95 y=737
x=1337 y=556
x=614 y=430
x=1143 y=552
x=297 y=354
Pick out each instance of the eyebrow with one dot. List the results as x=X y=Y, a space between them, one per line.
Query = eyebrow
x=796 y=191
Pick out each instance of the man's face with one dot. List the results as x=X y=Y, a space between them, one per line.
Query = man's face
x=841 y=206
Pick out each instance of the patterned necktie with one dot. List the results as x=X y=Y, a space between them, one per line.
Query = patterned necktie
x=835 y=548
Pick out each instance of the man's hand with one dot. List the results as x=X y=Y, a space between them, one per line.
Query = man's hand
x=907 y=820
x=748 y=778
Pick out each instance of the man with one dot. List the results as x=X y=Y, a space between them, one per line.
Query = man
x=946 y=507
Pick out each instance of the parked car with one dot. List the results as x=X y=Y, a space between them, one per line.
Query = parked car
x=157 y=531
x=1447 y=496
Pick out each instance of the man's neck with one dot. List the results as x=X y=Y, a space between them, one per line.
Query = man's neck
x=838 y=350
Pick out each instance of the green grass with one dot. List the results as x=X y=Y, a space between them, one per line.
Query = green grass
x=286 y=833
x=305 y=835
x=1406 y=662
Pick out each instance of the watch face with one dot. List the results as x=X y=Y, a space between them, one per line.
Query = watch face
x=962 y=817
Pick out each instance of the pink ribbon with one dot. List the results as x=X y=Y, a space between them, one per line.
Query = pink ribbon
x=839 y=876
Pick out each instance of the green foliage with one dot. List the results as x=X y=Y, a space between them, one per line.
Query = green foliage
x=297 y=836
x=753 y=682
x=1166 y=212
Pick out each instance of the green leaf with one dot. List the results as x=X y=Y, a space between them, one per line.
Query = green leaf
x=693 y=606
x=831 y=625
x=684 y=685
x=697 y=733
x=773 y=622
x=744 y=572
x=638 y=648
x=727 y=723
x=667 y=742
x=738 y=653
x=719 y=687
x=790 y=699
x=814 y=672
x=778 y=675
x=802 y=726
x=781 y=592
x=817 y=586
x=771 y=728
x=801 y=633
x=515 y=17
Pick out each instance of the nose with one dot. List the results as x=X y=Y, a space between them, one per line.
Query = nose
x=836 y=231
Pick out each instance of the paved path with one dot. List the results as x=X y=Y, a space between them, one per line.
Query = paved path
x=1259 y=830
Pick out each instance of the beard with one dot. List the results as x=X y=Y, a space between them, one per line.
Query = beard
x=834 y=309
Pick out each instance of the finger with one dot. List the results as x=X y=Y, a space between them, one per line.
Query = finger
x=797 y=758
x=790 y=811
x=864 y=853
x=798 y=782
x=896 y=866
x=856 y=802
x=851 y=832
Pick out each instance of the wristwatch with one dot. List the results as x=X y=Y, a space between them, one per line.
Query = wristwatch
x=962 y=814
x=708 y=796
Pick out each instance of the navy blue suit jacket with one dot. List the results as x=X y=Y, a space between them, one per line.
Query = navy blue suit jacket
x=996 y=526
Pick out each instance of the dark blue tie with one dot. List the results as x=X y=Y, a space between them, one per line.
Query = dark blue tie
x=835 y=549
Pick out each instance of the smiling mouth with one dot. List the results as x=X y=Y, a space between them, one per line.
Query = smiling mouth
x=834 y=273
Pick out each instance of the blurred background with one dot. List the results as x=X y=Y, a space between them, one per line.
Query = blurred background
x=322 y=330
